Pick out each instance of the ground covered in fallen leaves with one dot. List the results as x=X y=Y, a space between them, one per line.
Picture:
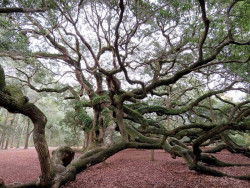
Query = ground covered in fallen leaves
x=130 y=168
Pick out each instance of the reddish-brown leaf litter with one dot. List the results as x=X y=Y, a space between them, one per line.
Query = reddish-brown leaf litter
x=129 y=168
x=19 y=165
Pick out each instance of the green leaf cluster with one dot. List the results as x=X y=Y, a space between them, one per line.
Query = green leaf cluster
x=100 y=99
x=83 y=117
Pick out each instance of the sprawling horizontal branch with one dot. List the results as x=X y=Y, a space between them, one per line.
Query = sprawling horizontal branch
x=22 y=10
x=166 y=111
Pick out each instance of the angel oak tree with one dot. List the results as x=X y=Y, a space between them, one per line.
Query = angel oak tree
x=156 y=72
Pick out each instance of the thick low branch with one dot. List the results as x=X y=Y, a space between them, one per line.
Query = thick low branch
x=39 y=120
x=94 y=157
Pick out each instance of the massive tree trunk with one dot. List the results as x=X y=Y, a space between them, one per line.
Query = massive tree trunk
x=92 y=142
x=86 y=140
x=120 y=123
x=96 y=133
x=108 y=134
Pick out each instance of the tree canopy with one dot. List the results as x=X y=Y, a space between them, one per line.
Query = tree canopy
x=157 y=74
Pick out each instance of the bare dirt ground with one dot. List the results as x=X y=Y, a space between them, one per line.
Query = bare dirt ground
x=130 y=168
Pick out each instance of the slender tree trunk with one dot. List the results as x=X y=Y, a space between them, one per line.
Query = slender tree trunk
x=9 y=131
x=2 y=138
x=14 y=132
x=7 y=139
x=4 y=130
x=31 y=134
x=13 y=140
x=20 y=137
x=27 y=135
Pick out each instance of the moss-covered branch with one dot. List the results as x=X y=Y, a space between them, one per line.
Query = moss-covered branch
x=14 y=105
x=140 y=136
x=216 y=149
x=165 y=111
